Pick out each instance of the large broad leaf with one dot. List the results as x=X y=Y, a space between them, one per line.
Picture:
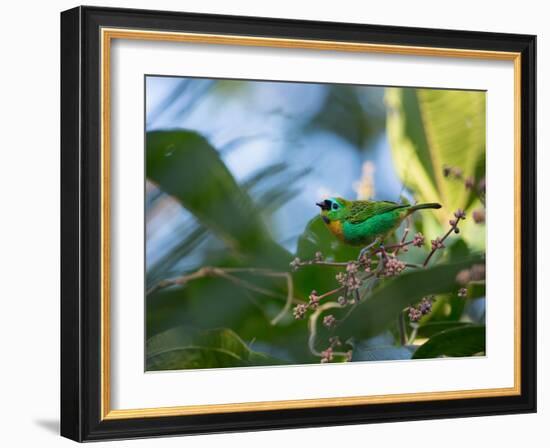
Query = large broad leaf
x=455 y=342
x=382 y=309
x=185 y=348
x=430 y=329
x=218 y=303
x=184 y=165
x=429 y=129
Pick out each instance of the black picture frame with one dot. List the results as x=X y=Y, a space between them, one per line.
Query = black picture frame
x=81 y=224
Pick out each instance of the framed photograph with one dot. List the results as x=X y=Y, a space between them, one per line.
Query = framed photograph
x=273 y=224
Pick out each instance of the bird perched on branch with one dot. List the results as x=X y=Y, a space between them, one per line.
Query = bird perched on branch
x=363 y=222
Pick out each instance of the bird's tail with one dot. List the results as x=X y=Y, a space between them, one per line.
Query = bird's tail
x=426 y=205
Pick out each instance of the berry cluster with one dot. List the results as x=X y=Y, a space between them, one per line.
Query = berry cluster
x=421 y=309
x=329 y=353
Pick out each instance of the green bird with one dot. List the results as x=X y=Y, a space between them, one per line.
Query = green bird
x=363 y=222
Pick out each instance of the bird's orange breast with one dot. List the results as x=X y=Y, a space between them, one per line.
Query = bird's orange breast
x=336 y=228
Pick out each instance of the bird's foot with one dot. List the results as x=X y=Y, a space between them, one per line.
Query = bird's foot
x=368 y=248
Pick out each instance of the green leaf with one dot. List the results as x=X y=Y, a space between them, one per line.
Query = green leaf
x=458 y=250
x=382 y=308
x=245 y=312
x=184 y=165
x=429 y=129
x=455 y=342
x=429 y=329
x=185 y=348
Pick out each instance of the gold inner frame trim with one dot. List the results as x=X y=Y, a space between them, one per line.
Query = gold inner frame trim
x=107 y=35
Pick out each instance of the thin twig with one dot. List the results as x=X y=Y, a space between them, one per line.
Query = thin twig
x=413 y=334
x=313 y=327
x=393 y=246
x=248 y=285
x=289 y=299
x=404 y=237
x=435 y=248
x=402 y=330
x=226 y=273
x=329 y=293
x=267 y=273
x=321 y=263
x=413 y=265
x=200 y=273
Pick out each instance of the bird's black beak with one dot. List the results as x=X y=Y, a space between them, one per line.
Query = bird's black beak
x=325 y=205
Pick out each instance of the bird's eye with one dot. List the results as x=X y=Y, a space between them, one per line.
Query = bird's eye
x=335 y=206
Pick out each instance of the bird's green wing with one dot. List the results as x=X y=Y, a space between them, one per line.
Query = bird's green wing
x=362 y=210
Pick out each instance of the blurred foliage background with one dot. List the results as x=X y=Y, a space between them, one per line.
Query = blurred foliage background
x=234 y=169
